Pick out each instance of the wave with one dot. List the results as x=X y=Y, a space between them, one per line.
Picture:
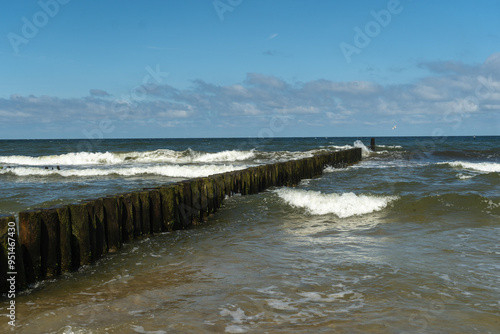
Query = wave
x=281 y=156
x=365 y=151
x=343 y=205
x=225 y=156
x=464 y=177
x=359 y=143
x=342 y=147
x=81 y=158
x=390 y=146
x=156 y=156
x=479 y=154
x=115 y=158
x=181 y=171
x=484 y=167
x=287 y=155
x=331 y=169
x=166 y=156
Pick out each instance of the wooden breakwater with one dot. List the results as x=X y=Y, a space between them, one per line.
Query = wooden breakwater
x=60 y=239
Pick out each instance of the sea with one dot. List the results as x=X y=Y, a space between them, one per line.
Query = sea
x=405 y=241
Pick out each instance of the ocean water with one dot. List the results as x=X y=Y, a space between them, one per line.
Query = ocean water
x=406 y=241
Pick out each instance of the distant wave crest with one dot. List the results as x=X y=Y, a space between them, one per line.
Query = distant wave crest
x=165 y=156
x=181 y=171
x=484 y=167
x=115 y=158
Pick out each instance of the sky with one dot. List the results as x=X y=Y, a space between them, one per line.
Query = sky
x=248 y=68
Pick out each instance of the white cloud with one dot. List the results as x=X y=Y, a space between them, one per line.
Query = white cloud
x=257 y=79
x=453 y=87
x=14 y=114
x=429 y=93
x=173 y=114
x=99 y=92
x=245 y=108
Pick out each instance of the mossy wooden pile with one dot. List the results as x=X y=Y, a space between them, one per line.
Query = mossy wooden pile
x=60 y=239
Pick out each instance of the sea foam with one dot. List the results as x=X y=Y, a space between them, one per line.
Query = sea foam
x=165 y=156
x=343 y=205
x=365 y=151
x=115 y=158
x=484 y=167
x=181 y=171
x=80 y=158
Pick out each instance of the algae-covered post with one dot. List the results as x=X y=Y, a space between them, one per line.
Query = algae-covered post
x=30 y=238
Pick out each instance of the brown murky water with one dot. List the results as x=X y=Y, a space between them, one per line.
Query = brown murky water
x=261 y=267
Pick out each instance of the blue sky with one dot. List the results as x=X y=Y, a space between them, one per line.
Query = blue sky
x=248 y=68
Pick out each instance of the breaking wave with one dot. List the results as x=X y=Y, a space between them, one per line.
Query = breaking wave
x=343 y=205
x=167 y=156
x=365 y=151
x=115 y=158
x=484 y=167
x=181 y=171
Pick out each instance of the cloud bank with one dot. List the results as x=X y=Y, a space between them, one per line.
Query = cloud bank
x=451 y=93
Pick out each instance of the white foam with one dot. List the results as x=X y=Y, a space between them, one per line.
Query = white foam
x=390 y=146
x=485 y=167
x=342 y=147
x=280 y=156
x=464 y=177
x=237 y=315
x=317 y=297
x=365 y=151
x=330 y=169
x=140 y=329
x=236 y=329
x=181 y=171
x=225 y=156
x=156 y=156
x=343 y=205
x=280 y=304
x=74 y=330
x=113 y=158
x=163 y=156
x=81 y=158
x=239 y=318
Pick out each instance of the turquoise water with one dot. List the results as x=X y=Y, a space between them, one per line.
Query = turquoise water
x=405 y=241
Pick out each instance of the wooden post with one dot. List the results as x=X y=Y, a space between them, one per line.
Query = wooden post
x=65 y=238
x=30 y=230
x=80 y=234
x=155 y=210
x=128 y=217
x=167 y=194
x=50 y=243
x=112 y=222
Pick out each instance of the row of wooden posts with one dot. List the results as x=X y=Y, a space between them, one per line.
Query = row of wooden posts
x=52 y=241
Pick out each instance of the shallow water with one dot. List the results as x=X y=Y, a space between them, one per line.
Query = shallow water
x=391 y=245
